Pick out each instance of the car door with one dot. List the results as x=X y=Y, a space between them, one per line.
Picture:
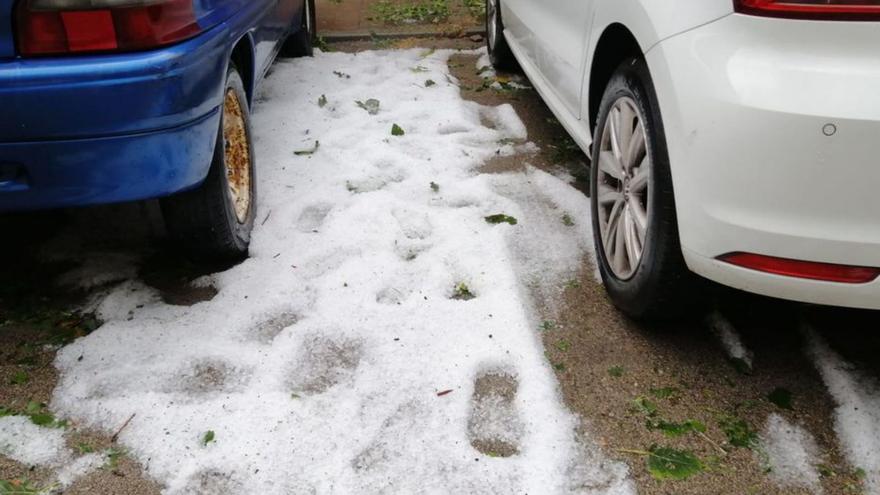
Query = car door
x=561 y=34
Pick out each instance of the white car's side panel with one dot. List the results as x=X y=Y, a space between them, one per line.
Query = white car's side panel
x=562 y=43
x=577 y=128
x=555 y=41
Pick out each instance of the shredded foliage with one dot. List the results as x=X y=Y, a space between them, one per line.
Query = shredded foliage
x=501 y=218
x=462 y=292
x=738 y=431
x=418 y=12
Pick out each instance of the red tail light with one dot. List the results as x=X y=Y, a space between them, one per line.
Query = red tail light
x=828 y=272
x=52 y=27
x=847 y=10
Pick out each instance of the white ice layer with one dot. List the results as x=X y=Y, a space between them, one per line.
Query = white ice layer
x=729 y=338
x=318 y=363
x=32 y=445
x=39 y=446
x=857 y=417
x=792 y=454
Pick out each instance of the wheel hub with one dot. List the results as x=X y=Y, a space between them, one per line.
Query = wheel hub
x=236 y=156
x=623 y=188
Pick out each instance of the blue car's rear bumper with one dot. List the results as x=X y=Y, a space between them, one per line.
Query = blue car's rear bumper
x=58 y=173
x=107 y=128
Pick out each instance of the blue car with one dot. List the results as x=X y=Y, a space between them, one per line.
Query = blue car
x=105 y=101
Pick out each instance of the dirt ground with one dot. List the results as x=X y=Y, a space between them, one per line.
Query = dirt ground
x=347 y=17
x=608 y=367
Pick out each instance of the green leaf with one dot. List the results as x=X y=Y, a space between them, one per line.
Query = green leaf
x=738 y=431
x=673 y=464
x=573 y=284
x=396 y=130
x=462 y=292
x=33 y=407
x=548 y=325
x=559 y=367
x=308 y=152
x=112 y=456
x=322 y=101
x=501 y=218
x=20 y=378
x=371 y=106
x=563 y=345
x=21 y=487
x=84 y=448
x=645 y=406
x=435 y=187
x=781 y=397
x=567 y=220
x=429 y=83
x=616 y=371
x=208 y=437
x=672 y=429
x=826 y=471
x=42 y=419
x=665 y=392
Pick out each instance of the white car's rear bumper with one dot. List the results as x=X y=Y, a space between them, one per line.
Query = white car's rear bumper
x=748 y=105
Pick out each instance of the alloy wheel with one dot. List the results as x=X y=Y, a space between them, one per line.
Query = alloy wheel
x=307 y=13
x=491 y=21
x=623 y=188
x=236 y=155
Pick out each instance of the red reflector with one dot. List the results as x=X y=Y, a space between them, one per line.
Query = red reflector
x=54 y=27
x=89 y=30
x=828 y=272
x=855 y=10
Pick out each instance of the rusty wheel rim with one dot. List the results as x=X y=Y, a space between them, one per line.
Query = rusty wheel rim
x=236 y=156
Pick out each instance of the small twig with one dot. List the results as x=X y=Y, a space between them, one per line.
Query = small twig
x=445 y=392
x=267 y=217
x=116 y=435
x=713 y=442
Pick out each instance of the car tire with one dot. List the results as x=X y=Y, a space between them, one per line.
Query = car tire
x=640 y=259
x=302 y=42
x=213 y=222
x=499 y=51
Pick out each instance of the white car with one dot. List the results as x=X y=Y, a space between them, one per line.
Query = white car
x=735 y=139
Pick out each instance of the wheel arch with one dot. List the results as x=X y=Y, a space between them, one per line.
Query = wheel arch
x=625 y=28
x=242 y=55
x=616 y=44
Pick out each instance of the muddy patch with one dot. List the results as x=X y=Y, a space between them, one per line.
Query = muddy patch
x=495 y=427
x=212 y=482
x=266 y=331
x=206 y=377
x=323 y=363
